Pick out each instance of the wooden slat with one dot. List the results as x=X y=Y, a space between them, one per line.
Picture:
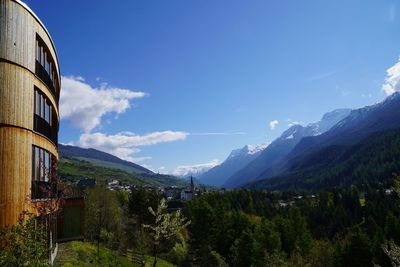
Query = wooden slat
x=18 y=29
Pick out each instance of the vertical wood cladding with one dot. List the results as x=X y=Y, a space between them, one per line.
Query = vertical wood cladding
x=19 y=29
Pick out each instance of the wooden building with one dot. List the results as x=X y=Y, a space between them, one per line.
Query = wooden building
x=29 y=116
x=70 y=222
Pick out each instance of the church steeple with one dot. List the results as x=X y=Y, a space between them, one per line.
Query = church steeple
x=191 y=184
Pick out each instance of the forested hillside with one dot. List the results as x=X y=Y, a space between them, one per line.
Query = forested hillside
x=337 y=227
x=371 y=161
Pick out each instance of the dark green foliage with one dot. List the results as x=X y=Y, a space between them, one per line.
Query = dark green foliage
x=331 y=229
x=243 y=251
x=103 y=217
x=336 y=227
x=356 y=250
x=371 y=161
x=24 y=244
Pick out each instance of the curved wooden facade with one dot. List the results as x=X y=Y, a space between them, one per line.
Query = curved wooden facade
x=29 y=73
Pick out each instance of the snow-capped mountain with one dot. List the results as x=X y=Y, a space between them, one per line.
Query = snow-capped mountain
x=366 y=138
x=236 y=160
x=270 y=158
x=186 y=171
x=328 y=120
x=358 y=124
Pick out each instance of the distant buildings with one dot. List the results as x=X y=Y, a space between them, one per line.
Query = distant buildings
x=115 y=185
x=188 y=193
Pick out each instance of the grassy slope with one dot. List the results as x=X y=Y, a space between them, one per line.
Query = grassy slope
x=77 y=254
x=73 y=169
x=112 y=165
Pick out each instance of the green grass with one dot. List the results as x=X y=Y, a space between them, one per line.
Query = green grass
x=111 y=165
x=72 y=170
x=82 y=254
x=160 y=262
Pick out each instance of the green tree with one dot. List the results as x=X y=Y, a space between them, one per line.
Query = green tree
x=24 y=244
x=102 y=216
x=356 y=250
x=268 y=237
x=244 y=250
x=321 y=254
x=165 y=226
x=390 y=248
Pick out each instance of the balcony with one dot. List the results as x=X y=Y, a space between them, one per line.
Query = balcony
x=41 y=126
x=41 y=72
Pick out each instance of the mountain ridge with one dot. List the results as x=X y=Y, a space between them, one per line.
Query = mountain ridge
x=361 y=124
x=69 y=151
x=237 y=159
x=280 y=147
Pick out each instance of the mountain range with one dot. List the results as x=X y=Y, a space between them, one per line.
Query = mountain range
x=364 y=147
x=81 y=163
x=237 y=160
x=237 y=171
x=345 y=146
x=98 y=157
x=314 y=149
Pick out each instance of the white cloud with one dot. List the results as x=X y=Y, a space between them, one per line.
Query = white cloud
x=392 y=80
x=85 y=106
x=185 y=170
x=292 y=123
x=125 y=144
x=273 y=124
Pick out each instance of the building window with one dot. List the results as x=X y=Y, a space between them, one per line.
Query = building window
x=45 y=66
x=43 y=56
x=43 y=107
x=41 y=173
x=45 y=120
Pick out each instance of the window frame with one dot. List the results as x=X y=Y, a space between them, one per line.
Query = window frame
x=43 y=106
x=41 y=168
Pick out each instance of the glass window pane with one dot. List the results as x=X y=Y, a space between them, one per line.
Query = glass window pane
x=37 y=51
x=38 y=103
x=47 y=166
x=43 y=106
x=50 y=116
x=41 y=165
x=33 y=163
x=47 y=63
x=37 y=163
x=47 y=117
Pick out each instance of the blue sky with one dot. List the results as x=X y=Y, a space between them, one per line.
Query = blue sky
x=175 y=83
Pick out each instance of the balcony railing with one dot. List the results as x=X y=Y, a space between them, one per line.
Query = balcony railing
x=41 y=72
x=41 y=126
